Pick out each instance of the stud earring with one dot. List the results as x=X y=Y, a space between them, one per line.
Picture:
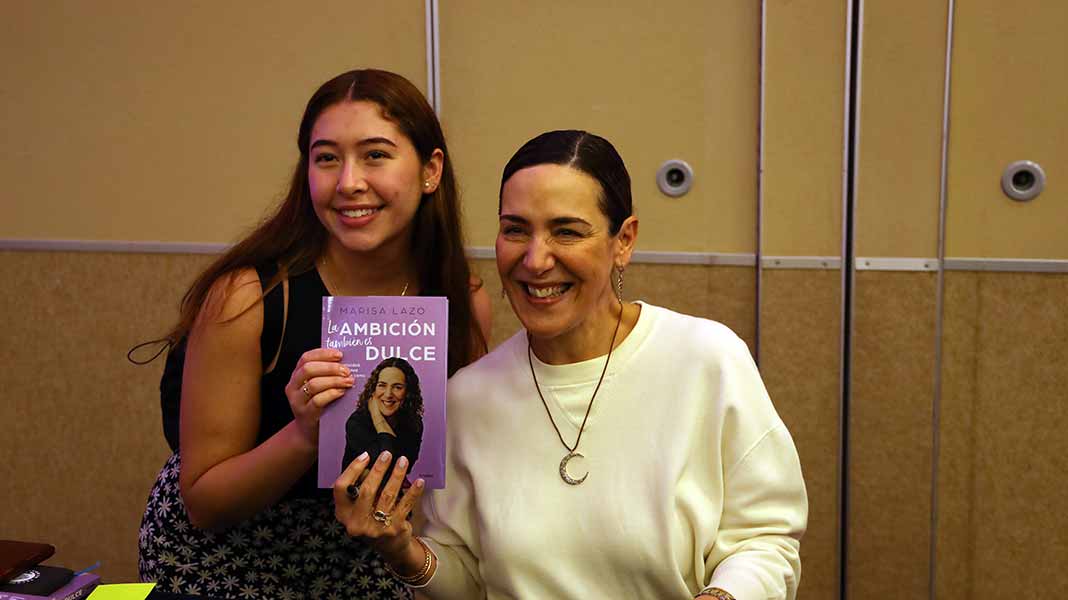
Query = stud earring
x=619 y=283
x=426 y=184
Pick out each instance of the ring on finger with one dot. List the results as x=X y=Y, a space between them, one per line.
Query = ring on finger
x=382 y=517
x=304 y=388
x=352 y=491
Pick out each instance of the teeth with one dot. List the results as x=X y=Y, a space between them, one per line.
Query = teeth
x=362 y=212
x=547 y=292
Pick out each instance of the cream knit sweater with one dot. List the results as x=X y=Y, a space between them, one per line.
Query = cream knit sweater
x=693 y=478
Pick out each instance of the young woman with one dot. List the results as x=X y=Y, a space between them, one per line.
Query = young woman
x=608 y=450
x=372 y=209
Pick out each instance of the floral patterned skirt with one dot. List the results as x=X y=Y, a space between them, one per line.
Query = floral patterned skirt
x=293 y=550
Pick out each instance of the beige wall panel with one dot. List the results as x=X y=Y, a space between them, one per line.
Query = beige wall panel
x=956 y=471
x=171 y=121
x=80 y=426
x=1003 y=459
x=1008 y=104
x=803 y=103
x=724 y=294
x=674 y=80
x=899 y=170
x=505 y=322
x=890 y=435
x=800 y=360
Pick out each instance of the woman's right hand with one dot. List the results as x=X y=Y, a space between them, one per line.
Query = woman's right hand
x=318 y=379
x=379 y=513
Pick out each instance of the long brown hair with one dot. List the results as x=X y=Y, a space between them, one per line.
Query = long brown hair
x=294 y=237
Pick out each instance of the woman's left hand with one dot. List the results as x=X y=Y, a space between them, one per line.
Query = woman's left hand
x=380 y=516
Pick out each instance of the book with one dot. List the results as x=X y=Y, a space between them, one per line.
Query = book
x=39 y=580
x=397 y=350
x=77 y=588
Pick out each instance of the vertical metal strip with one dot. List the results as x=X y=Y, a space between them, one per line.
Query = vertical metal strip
x=437 y=57
x=936 y=405
x=433 y=57
x=850 y=164
x=760 y=176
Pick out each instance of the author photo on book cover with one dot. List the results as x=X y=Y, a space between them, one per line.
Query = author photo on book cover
x=388 y=415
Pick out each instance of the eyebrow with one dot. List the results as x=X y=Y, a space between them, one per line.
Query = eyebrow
x=363 y=142
x=555 y=222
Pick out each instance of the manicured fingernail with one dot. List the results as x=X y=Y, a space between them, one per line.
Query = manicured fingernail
x=337 y=354
x=419 y=483
x=402 y=462
x=345 y=371
x=384 y=457
x=362 y=457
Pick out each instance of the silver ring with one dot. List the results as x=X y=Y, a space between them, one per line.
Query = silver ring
x=352 y=491
x=382 y=517
x=304 y=388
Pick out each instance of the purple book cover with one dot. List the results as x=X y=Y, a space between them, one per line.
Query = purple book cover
x=397 y=350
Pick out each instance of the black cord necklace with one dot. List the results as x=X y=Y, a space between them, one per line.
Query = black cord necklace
x=571 y=450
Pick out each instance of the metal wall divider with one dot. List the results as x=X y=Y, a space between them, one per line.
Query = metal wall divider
x=722 y=259
x=433 y=56
x=936 y=403
x=850 y=160
x=758 y=262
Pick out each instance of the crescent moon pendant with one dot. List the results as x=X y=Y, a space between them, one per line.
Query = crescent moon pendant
x=563 y=470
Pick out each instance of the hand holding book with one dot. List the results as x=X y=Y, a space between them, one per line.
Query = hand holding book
x=375 y=510
x=318 y=379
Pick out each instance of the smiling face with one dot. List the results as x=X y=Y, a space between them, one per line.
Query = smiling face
x=366 y=178
x=390 y=390
x=555 y=254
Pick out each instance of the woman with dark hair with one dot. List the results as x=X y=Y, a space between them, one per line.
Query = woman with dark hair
x=649 y=461
x=388 y=415
x=372 y=209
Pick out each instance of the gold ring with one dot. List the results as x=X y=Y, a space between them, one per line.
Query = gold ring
x=382 y=517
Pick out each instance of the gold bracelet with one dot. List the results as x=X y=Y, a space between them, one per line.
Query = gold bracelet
x=715 y=592
x=423 y=576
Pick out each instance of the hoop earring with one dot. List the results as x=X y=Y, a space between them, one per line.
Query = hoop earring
x=619 y=283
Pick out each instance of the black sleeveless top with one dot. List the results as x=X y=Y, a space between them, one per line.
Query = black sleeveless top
x=302 y=333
